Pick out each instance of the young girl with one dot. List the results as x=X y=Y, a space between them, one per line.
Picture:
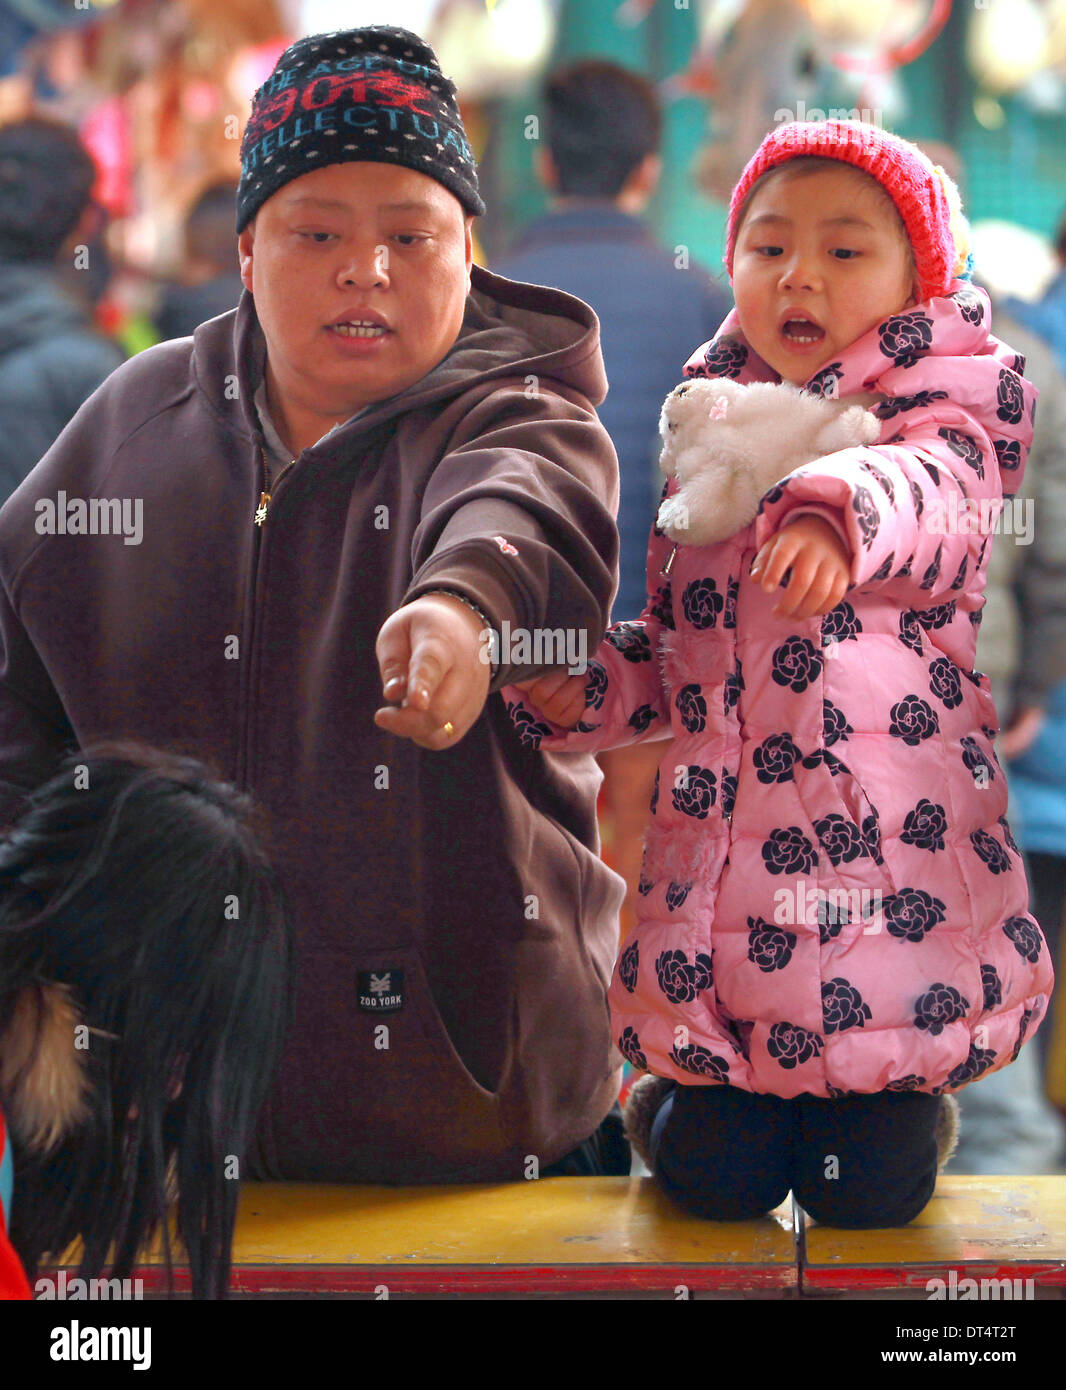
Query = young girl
x=144 y=966
x=833 y=929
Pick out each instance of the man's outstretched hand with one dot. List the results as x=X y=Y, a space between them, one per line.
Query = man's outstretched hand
x=434 y=669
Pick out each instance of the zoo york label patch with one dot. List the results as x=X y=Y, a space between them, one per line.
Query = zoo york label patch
x=380 y=991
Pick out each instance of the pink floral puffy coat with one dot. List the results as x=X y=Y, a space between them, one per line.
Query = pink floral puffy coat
x=831 y=899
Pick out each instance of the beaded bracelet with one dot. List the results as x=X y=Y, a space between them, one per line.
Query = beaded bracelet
x=474 y=609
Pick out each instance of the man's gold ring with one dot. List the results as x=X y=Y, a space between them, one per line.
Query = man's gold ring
x=449 y=728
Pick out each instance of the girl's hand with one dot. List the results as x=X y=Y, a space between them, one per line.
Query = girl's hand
x=559 y=696
x=820 y=564
x=432 y=660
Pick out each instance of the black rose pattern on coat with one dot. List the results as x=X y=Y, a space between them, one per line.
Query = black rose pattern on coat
x=910 y=632
x=882 y=478
x=661 y=607
x=724 y=357
x=1024 y=936
x=653 y=806
x=729 y=615
x=977 y=1062
x=904 y=336
x=775 y=758
x=970 y=306
x=831 y=918
x=824 y=756
x=728 y=794
x=731 y=688
x=894 y=405
x=631 y=639
x=990 y=852
x=795 y=663
x=530 y=730
x=656 y=530
x=905 y=569
x=992 y=986
x=960 y=577
x=1009 y=454
x=769 y=947
x=628 y=964
x=596 y=685
x=910 y=1082
x=641 y=718
x=701 y=603
x=917 y=497
x=936 y=617
x=843 y=1006
x=676 y=894
x=681 y=979
x=700 y=1062
x=771 y=496
x=862 y=503
x=944 y=682
x=1018 y=365
x=965 y=447
x=629 y=1047
x=932 y=574
x=925 y=826
x=824 y=383
x=1008 y=837
x=645 y=885
x=840 y=624
x=1023 y=1028
x=884 y=569
x=840 y=838
x=911 y=913
x=871 y=834
x=696 y=797
x=835 y=726
x=940 y=1005
x=788 y=851
x=931 y=469
x=790 y=1045
x=1010 y=397
x=975 y=760
x=692 y=708
x=913 y=719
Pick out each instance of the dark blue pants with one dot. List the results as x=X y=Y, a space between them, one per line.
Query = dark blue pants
x=729 y=1155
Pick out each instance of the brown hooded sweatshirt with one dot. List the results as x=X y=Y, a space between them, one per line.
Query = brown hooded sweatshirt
x=455 y=929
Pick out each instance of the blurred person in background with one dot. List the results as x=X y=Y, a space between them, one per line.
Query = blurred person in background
x=1007 y=1124
x=1047 y=316
x=601 y=166
x=209 y=281
x=51 y=355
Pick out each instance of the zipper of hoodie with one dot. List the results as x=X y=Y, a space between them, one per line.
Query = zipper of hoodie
x=246 y=695
x=264 y=496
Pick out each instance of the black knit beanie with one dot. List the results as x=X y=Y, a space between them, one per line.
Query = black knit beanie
x=359 y=94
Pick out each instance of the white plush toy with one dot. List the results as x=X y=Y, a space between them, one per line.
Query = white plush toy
x=727 y=444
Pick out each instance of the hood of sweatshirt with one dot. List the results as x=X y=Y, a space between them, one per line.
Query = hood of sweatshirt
x=510 y=329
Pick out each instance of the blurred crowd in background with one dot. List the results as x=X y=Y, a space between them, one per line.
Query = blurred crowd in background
x=609 y=134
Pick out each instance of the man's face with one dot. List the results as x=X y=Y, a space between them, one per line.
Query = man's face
x=362 y=241
x=820 y=259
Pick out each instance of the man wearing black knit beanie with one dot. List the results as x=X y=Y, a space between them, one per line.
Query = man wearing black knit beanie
x=372 y=496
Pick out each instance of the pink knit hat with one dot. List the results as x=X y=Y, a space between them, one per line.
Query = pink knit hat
x=926 y=198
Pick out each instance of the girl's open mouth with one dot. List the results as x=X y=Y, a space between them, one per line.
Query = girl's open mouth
x=801 y=332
